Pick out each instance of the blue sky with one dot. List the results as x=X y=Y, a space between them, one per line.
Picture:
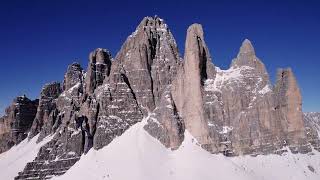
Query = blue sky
x=40 y=38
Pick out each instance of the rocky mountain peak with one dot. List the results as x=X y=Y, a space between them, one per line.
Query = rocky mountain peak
x=196 y=51
x=246 y=48
x=100 y=56
x=72 y=76
x=246 y=56
x=151 y=24
x=195 y=30
x=149 y=58
x=16 y=122
x=99 y=68
x=234 y=111
x=51 y=90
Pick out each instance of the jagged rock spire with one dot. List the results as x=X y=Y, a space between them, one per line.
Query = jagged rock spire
x=246 y=56
x=98 y=69
x=197 y=68
x=47 y=104
x=196 y=51
x=149 y=58
x=289 y=105
x=246 y=48
x=73 y=76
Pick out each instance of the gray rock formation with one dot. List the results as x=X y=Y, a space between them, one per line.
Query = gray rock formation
x=165 y=124
x=56 y=116
x=17 y=121
x=46 y=108
x=98 y=69
x=288 y=107
x=149 y=58
x=235 y=111
x=188 y=91
x=73 y=76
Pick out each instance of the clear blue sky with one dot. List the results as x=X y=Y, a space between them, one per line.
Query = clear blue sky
x=38 y=39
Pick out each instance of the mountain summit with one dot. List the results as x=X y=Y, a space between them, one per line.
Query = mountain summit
x=234 y=112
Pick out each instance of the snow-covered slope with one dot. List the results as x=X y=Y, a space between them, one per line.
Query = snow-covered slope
x=14 y=160
x=136 y=155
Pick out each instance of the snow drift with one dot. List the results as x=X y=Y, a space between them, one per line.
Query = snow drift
x=137 y=155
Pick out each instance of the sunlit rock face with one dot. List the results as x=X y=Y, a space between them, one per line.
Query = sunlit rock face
x=237 y=111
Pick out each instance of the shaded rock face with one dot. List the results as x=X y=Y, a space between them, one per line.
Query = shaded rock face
x=165 y=124
x=149 y=58
x=118 y=110
x=16 y=123
x=73 y=76
x=46 y=108
x=98 y=69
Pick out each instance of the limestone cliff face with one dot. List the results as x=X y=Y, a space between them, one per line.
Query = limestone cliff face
x=46 y=107
x=188 y=89
x=72 y=76
x=16 y=123
x=235 y=111
x=149 y=59
x=289 y=106
x=245 y=100
x=98 y=69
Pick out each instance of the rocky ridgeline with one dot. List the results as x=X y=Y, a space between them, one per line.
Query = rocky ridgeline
x=235 y=111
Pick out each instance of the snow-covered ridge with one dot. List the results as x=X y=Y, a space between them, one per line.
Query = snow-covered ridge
x=137 y=155
x=225 y=76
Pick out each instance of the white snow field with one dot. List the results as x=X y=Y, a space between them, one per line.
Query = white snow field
x=137 y=156
x=14 y=160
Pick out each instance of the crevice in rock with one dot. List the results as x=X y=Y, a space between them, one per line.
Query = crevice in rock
x=126 y=80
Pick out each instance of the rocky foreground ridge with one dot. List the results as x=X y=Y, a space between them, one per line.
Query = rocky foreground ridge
x=235 y=111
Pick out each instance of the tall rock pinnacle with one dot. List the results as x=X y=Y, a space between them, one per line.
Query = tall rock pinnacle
x=72 y=76
x=289 y=105
x=197 y=68
x=47 y=106
x=98 y=69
